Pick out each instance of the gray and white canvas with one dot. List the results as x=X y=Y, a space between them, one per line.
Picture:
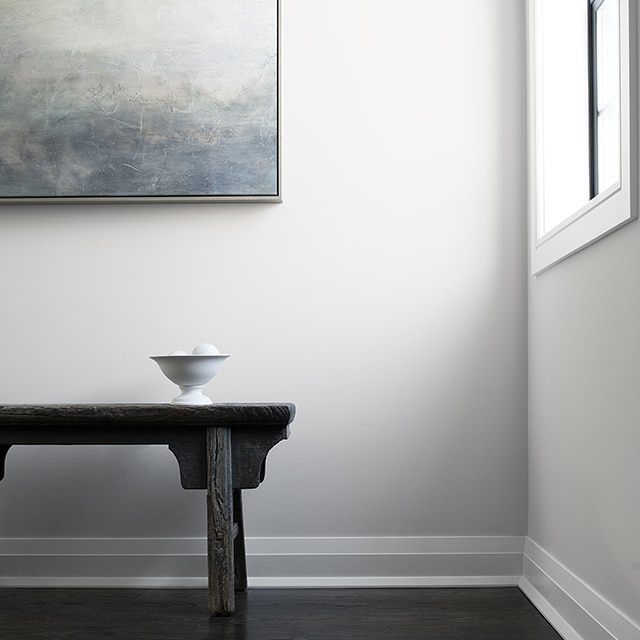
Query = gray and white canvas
x=138 y=98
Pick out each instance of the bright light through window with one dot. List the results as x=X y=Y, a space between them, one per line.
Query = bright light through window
x=583 y=138
x=606 y=90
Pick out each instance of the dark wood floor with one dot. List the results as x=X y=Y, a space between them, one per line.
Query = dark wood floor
x=272 y=614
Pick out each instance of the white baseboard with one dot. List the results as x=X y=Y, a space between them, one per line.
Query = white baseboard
x=571 y=606
x=384 y=562
x=103 y=562
x=272 y=562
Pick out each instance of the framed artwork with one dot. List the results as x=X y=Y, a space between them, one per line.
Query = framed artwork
x=139 y=101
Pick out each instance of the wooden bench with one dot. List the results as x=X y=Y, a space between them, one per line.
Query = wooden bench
x=221 y=448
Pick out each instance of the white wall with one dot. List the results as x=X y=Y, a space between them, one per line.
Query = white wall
x=385 y=297
x=584 y=513
x=582 y=558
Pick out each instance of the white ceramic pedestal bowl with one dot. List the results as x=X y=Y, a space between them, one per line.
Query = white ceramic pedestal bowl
x=190 y=373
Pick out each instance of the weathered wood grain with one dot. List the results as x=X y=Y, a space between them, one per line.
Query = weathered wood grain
x=220 y=522
x=150 y=415
x=221 y=448
x=257 y=428
x=4 y=449
x=239 y=553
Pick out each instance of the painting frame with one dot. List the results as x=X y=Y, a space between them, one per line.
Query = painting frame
x=209 y=128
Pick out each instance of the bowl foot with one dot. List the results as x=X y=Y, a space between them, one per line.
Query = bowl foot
x=192 y=396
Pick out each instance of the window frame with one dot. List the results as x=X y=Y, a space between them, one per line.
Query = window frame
x=617 y=205
x=596 y=114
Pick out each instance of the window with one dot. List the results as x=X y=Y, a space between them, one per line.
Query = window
x=604 y=95
x=582 y=124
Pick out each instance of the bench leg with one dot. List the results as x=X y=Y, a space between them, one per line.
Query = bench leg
x=4 y=449
x=220 y=522
x=239 y=553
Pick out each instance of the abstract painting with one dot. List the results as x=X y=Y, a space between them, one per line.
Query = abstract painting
x=139 y=100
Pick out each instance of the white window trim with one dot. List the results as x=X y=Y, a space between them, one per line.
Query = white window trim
x=616 y=206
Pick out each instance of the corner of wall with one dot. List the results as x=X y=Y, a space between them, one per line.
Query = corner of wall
x=575 y=610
